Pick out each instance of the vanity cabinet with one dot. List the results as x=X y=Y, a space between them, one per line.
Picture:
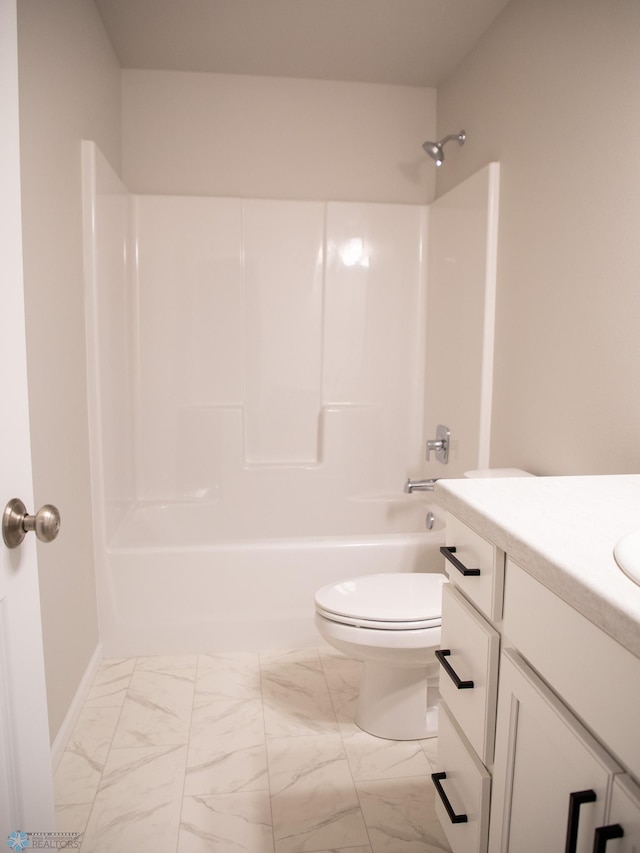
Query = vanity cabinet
x=539 y=751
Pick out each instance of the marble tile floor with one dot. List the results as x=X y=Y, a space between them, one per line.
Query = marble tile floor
x=240 y=752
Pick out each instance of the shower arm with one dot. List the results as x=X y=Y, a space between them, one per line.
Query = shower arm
x=459 y=136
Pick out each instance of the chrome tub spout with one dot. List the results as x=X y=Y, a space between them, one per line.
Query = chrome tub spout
x=420 y=485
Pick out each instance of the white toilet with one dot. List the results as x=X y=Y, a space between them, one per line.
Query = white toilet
x=391 y=622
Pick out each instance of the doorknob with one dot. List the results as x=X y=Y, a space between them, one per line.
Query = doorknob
x=16 y=523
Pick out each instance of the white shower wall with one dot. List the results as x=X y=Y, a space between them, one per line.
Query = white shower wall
x=253 y=345
x=109 y=319
x=276 y=334
x=463 y=233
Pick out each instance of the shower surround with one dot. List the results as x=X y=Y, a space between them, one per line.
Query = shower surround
x=262 y=376
x=256 y=373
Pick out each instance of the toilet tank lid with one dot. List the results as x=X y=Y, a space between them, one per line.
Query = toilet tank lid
x=497 y=472
x=392 y=597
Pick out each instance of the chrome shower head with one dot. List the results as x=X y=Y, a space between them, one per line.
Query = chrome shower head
x=435 y=149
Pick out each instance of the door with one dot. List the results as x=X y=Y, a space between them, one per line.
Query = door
x=26 y=798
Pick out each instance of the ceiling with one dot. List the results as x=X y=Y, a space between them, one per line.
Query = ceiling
x=399 y=42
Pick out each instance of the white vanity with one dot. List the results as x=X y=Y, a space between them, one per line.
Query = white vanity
x=539 y=732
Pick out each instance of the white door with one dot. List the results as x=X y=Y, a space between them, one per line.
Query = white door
x=26 y=799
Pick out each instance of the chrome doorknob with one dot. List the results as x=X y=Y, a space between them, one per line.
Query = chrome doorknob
x=16 y=523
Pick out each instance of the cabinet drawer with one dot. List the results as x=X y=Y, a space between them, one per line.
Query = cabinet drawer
x=473 y=648
x=597 y=677
x=466 y=789
x=485 y=588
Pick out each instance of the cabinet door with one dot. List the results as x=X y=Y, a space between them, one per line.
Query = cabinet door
x=621 y=834
x=548 y=769
x=578 y=660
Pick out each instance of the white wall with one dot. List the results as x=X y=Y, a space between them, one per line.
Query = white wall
x=69 y=88
x=552 y=93
x=262 y=137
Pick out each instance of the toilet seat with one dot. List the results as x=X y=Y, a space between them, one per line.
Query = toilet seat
x=398 y=601
x=378 y=625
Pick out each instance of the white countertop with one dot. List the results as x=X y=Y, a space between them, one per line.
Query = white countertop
x=562 y=530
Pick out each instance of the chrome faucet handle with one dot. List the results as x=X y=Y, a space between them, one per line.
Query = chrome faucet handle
x=439 y=444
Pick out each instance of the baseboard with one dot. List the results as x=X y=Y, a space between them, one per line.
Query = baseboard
x=64 y=733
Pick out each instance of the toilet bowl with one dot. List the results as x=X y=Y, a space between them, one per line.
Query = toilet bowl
x=390 y=622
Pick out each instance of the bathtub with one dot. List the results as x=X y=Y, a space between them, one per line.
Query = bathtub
x=188 y=577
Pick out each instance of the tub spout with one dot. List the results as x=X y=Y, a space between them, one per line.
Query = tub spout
x=420 y=485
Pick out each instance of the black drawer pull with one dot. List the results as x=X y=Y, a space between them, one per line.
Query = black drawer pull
x=576 y=799
x=453 y=817
x=604 y=834
x=442 y=655
x=448 y=552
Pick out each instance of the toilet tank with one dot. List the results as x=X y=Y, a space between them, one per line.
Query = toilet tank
x=497 y=472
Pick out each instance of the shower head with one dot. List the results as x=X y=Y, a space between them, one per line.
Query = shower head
x=435 y=149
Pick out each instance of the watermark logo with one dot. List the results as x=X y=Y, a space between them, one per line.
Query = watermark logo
x=43 y=840
x=18 y=841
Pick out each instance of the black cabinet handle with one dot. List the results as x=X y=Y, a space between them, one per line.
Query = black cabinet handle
x=604 y=834
x=453 y=817
x=448 y=552
x=442 y=655
x=576 y=799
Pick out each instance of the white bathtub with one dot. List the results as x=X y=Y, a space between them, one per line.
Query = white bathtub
x=193 y=577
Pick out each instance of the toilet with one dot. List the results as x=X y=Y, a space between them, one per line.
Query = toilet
x=391 y=622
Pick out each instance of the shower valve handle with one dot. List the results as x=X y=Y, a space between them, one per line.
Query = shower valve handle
x=440 y=444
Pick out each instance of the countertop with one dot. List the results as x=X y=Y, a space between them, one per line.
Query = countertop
x=562 y=530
